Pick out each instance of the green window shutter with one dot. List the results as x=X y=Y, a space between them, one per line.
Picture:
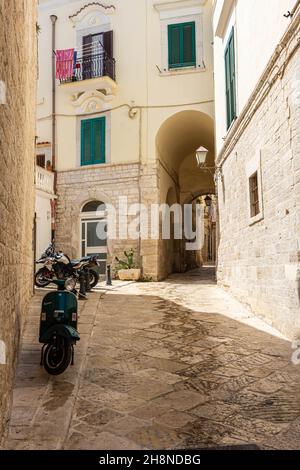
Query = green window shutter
x=182 y=45
x=230 y=80
x=99 y=140
x=174 y=45
x=227 y=73
x=189 y=51
x=86 y=142
x=93 y=141
x=232 y=76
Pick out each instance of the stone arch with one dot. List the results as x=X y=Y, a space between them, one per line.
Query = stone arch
x=93 y=195
x=177 y=140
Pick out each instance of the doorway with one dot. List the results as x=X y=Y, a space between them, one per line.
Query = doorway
x=93 y=227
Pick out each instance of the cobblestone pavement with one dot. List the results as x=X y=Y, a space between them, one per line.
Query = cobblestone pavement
x=176 y=364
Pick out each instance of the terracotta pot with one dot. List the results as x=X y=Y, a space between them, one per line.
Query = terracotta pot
x=129 y=274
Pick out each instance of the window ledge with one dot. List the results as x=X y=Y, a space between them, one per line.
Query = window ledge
x=254 y=220
x=229 y=128
x=182 y=71
x=91 y=166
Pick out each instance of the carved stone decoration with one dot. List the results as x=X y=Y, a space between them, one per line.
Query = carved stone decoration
x=92 y=14
x=92 y=106
x=93 y=21
x=92 y=102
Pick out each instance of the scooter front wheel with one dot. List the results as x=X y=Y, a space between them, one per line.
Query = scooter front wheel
x=57 y=355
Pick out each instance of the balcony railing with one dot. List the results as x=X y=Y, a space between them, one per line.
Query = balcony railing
x=44 y=180
x=92 y=66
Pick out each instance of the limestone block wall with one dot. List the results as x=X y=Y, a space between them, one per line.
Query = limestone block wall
x=106 y=183
x=260 y=263
x=18 y=73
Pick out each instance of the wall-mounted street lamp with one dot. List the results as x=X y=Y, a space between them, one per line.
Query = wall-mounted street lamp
x=201 y=156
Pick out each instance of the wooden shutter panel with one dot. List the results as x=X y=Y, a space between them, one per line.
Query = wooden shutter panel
x=174 y=45
x=99 y=140
x=108 y=42
x=189 y=53
x=86 y=142
x=232 y=76
x=227 y=76
x=230 y=80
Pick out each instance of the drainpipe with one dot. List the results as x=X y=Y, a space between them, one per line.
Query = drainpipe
x=53 y=19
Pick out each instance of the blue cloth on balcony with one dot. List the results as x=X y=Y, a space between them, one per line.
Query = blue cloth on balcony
x=75 y=62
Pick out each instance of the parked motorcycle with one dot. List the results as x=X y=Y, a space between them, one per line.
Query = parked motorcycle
x=57 y=265
x=58 y=327
x=91 y=263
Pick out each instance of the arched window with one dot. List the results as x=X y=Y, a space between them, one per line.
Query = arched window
x=93 y=206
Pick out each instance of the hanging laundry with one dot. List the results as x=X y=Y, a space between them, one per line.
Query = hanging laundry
x=64 y=64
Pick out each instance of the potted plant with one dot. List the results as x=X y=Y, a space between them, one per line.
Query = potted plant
x=127 y=269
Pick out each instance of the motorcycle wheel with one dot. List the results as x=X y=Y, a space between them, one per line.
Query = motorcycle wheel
x=94 y=278
x=41 y=279
x=57 y=356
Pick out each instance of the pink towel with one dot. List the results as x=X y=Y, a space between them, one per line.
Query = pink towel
x=64 y=64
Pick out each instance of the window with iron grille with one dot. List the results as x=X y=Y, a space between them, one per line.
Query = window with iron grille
x=254 y=195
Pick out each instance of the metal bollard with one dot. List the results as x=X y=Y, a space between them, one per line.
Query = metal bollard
x=108 y=275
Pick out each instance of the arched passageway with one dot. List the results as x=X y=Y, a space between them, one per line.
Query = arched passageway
x=184 y=183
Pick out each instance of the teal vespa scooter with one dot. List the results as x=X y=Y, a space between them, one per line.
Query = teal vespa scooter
x=58 y=327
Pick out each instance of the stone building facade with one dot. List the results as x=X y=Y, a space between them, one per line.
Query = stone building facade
x=259 y=181
x=17 y=140
x=152 y=115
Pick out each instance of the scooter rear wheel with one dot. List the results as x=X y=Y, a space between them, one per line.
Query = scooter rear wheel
x=94 y=278
x=57 y=356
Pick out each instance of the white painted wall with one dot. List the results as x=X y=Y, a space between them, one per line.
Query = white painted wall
x=139 y=53
x=43 y=222
x=259 y=25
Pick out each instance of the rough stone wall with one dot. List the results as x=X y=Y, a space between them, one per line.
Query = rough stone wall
x=17 y=137
x=106 y=184
x=260 y=263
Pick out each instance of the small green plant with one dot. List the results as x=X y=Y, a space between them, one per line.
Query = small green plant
x=128 y=263
x=146 y=279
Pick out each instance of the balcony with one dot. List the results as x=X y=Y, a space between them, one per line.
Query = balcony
x=44 y=180
x=93 y=72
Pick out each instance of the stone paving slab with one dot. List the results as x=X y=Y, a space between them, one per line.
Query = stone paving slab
x=168 y=365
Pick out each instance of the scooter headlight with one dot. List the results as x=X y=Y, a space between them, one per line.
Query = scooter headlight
x=70 y=284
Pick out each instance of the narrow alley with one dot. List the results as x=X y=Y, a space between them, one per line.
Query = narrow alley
x=169 y=365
